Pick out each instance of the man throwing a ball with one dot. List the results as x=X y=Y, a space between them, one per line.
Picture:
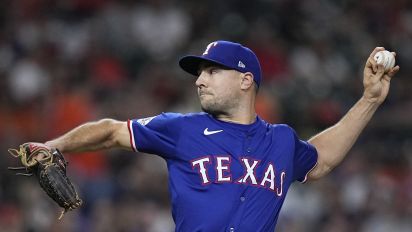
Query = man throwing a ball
x=229 y=170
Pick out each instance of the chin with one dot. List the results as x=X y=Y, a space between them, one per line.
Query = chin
x=212 y=110
x=211 y=107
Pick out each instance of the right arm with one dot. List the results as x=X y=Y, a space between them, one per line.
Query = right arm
x=91 y=136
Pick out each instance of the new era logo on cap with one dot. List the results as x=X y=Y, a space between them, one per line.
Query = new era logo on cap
x=241 y=65
x=229 y=54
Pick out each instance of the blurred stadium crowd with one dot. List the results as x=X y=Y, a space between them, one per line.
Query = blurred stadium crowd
x=66 y=62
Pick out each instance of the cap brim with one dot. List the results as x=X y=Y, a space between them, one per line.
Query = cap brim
x=191 y=64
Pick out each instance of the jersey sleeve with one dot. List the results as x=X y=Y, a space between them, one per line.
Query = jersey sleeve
x=155 y=135
x=305 y=159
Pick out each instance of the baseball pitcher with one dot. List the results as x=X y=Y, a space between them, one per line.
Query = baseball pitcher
x=229 y=170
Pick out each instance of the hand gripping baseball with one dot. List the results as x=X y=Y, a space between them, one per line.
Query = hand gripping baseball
x=376 y=80
x=49 y=166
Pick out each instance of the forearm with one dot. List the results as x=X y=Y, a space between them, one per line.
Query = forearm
x=334 y=143
x=91 y=136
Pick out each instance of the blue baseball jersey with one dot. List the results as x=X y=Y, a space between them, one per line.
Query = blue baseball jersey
x=224 y=176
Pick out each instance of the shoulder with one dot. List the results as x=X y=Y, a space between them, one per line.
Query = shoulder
x=282 y=130
x=186 y=117
x=283 y=127
x=171 y=117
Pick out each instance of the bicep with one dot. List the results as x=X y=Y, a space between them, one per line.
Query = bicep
x=317 y=172
x=321 y=168
x=155 y=135
x=305 y=159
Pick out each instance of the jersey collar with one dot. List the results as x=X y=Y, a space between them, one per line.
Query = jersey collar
x=248 y=129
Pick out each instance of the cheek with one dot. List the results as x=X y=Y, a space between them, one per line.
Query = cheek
x=228 y=88
x=226 y=95
x=225 y=87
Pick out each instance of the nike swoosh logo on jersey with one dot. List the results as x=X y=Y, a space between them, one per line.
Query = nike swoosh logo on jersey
x=207 y=132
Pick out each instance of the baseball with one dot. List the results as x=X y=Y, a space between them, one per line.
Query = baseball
x=386 y=58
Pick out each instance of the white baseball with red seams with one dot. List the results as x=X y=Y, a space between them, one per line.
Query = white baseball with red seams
x=386 y=58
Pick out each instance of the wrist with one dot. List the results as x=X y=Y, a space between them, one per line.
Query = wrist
x=371 y=100
x=53 y=144
x=370 y=103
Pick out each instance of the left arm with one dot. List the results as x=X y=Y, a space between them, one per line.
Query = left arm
x=334 y=143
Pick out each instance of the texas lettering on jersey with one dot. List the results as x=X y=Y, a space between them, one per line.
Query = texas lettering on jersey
x=223 y=175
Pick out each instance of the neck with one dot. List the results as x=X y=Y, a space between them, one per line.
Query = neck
x=240 y=119
x=244 y=114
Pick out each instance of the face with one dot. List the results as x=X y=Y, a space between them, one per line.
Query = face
x=218 y=88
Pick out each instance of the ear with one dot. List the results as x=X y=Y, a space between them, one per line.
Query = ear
x=246 y=81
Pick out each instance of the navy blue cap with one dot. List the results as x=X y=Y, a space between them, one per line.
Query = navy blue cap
x=228 y=54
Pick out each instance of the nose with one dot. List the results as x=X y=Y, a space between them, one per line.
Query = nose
x=201 y=80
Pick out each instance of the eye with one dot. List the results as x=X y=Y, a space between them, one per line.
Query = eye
x=213 y=70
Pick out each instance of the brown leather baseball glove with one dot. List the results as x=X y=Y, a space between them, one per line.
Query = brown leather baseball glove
x=49 y=167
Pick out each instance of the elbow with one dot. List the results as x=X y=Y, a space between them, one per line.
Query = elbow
x=111 y=127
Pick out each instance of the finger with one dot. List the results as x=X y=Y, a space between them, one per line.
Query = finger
x=394 y=53
x=376 y=50
x=380 y=70
x=392 y=72
x=371 y=63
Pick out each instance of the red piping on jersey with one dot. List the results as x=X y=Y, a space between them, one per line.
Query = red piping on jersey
x=306 y=176
x=130 y=135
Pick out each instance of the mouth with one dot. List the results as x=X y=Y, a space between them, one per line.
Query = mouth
x=203 y=93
